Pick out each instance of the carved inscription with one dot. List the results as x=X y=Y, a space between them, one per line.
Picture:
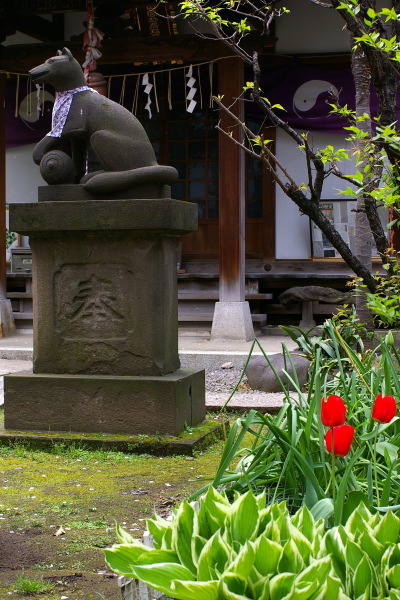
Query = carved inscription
x=91 y=301
x=95 y=300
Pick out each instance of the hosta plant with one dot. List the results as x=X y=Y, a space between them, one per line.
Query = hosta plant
x=247 y=550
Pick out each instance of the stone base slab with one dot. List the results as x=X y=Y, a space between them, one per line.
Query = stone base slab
x=232 y=321
x=62 y=193
x=104 y=404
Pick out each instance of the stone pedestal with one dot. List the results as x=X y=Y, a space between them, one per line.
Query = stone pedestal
x=105 y=318
x=104 y=403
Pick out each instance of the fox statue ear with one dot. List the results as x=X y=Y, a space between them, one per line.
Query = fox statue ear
x=67 y=52
x=58 y=53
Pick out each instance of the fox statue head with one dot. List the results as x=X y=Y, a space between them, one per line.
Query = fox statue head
x=62 y=71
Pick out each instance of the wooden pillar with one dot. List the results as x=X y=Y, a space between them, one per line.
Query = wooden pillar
x=2 y=187
x=232 y=318
x=231 y=188
x=7 y=325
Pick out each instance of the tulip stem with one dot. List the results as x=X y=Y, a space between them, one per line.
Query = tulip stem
x=375 y=468
x=333 y=471
x=331 y=482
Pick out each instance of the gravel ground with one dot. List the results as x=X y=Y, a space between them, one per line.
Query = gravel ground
x=220 y=382
x=224 y=380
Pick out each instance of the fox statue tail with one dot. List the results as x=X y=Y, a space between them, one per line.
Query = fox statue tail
x=115 y=181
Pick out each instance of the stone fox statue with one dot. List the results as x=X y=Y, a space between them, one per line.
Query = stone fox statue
x=83 y=117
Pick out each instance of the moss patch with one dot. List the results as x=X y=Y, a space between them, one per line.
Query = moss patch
x=80 y=495
x=190 y=440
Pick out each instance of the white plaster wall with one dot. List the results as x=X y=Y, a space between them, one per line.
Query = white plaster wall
x=19 y=38
x=74 y=24
x=293 y=228
x=22 y=175
x=321 y=29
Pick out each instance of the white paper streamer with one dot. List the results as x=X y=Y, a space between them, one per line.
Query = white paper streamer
x=191 y=82
x=147 y=90
x=39 y=100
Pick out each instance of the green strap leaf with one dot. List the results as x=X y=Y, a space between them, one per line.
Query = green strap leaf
x=323 y=509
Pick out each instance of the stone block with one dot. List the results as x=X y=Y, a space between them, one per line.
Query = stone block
x=104 y=283
x=173 y=217
x=104 y=404
x=261 y=376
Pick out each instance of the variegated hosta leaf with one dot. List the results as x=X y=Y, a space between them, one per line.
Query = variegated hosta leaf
x=123 y=536
x=261 y=500
x=353 y=554
x=160 y=530
x=267 y=555
x=291 y=560
x=304 y=522
x=387 y=530
x=197 y=545
x=281 y=586
x=233 y=587
x=329 y=590
x=182 y=535
x=301 y=542
x=213 y=559
x=272 y=531
x=335 y=546
x=244 y=551
x=305 y=590
x=272 y=513
x=357 y=521
x=390 y=557
x=318 y=571
x=244 y=561
x=244 y=519
x=213 y=512
x=261 y=588
x=161 y=575
x=371 y=546
x=195 y=590
x=362 y=581
x=122 y=557
x=393 y=576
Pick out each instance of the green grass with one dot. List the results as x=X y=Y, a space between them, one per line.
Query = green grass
x=31 y=587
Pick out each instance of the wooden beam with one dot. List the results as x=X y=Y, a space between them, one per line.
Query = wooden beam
x=127 y=50
x=231 y=187
x=21 y=58
x=54 y=6
x=2 y=188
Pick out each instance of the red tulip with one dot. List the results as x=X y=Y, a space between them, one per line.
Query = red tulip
x=384 y=409
x=342 y=438
x=333 y=411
